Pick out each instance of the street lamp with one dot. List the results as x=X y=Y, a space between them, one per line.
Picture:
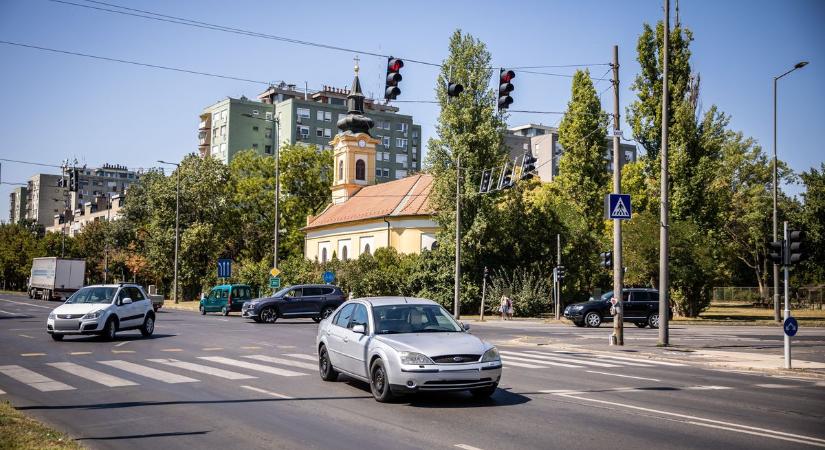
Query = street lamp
x=275 y=125
x=177 y=218
x=798 y=65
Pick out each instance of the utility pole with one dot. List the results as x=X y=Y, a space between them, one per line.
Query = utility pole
x=457 y=299
x=483 y=294
x=664 y=273
x=556 y=282
x=618 y=282
x=177 y=221
x=275 y=125
x=786 y=256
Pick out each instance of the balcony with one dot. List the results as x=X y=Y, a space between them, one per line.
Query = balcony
x=204 y=125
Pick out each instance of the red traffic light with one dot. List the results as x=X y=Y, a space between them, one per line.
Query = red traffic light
x=394 y=64
x=391 y=89
x=507 y=75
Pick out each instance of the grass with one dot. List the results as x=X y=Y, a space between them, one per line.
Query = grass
x=21 y=432
x=183 y=306
x=5 y=292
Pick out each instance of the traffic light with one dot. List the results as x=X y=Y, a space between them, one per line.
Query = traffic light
x=391 y=89
x=454 y=89
x=606 y=260
x=73 y=180
x=777 y=253
x=795 y=248
x=505 y=88
x=560 y=271
x=528 y=165
x=485 y=181
x=506 y=179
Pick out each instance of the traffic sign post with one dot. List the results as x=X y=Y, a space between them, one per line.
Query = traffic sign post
x=791 y=326
x=275 y=272
x=617 y=206
x=274 y=282
x=329 y=277
x=224 y=268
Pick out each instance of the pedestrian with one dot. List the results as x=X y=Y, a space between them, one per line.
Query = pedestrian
x=509 y=308
x=503 y=306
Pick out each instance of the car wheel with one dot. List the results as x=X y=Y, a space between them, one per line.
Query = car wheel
x=326 y=312
x=579 y=324
x=30 y=294
x=148 y=325
x=653 y=320
x=202 y=310
x=484 y=392
x=268 y=315
x=641 y=324
x=225 y=311
x=592 y=319
x=57 y=337
x=109 y=330
x=379 y=383
x=328 y=373
x=257 y=319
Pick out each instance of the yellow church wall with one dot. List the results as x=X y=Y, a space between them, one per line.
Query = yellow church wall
x=405 y=235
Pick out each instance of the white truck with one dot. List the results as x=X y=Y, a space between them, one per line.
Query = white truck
x=58 y=278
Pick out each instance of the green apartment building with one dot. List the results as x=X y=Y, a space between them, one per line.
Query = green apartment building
x=310 y=118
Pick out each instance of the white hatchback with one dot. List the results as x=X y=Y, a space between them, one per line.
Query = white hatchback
x=103 y=310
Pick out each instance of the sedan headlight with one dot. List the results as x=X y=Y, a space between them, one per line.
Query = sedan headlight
x=95 y=314
x=412 y=358
x=51 y=315
x=491 y=355
x=576 y=307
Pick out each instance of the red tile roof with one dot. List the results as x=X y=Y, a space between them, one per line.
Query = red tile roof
x=405 y=197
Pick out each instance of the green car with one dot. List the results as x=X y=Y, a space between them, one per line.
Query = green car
x=226 y=298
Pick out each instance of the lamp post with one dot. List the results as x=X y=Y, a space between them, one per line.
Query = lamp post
x=177 y=218
x=776 y=317
x=275 y=124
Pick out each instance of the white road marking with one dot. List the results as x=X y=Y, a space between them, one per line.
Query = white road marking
x=706 y=388
x=123 y=351
x=80 y=353
x=286 y=362
x=11 y=313
x=517 y=364
x=25 y=304
x=2 y=392
x=200 y=368
x=624 y=363
x=25 y=336
x=251 y=347
x=121 y=344
x=774 y=386
x=252 y=366
x=262 y=391
x=302 y=356
x=508 y=357
x=466 y=447
x=148 y=372
x=171 y=350
x=34 y=379
x=32 y=354
x=711 y=423
x=565 y=359
x=623 y=376
x=92 y=375
x=212 y=349
x=644 y=361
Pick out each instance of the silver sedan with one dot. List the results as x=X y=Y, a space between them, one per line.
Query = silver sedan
x=404 y=345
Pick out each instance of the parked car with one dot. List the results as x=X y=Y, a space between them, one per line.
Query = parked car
x=225 y=299
x=403 y=345
x=313 y=301
x=103 y=310
x=640 y=306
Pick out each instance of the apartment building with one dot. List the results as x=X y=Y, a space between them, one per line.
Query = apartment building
x=17 y=204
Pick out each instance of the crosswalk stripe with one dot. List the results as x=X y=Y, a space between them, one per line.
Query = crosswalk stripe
x=625 y=363
x=148 y=372
x=2 y=392
x=540 y=363
x=283 y=361
x=645 y=361
x=200 y=368
x=252 y=366
x=563 y=359
x=263 y=391
x=92 y=375
x=302 y=356
x=517 y=364
x=34 y=379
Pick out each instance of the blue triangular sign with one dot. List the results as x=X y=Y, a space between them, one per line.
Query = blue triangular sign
x=620 y=210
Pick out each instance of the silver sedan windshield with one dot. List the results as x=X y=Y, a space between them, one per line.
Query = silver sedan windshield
x=407 y=318
x=93 y=295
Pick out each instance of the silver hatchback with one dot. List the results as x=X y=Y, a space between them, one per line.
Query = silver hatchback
x=404 y=345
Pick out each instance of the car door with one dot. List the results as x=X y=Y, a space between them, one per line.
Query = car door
x=139 y=305
x=209 y=301
x=124 y=311
x=293 y=303
x=313 y=299
x=335 y=336
x=355 y=344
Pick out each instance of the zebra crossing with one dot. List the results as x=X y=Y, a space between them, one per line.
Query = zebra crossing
x=533 y=359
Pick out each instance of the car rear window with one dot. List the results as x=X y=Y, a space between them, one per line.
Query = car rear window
x=313 y=291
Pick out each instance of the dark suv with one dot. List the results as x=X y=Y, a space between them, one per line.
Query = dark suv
x=641 y=306
x=313 y=301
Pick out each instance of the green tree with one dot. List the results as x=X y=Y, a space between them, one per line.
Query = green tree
x=18 y=245
x=812 y=221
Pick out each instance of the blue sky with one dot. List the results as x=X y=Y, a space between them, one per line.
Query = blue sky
x=59 y=106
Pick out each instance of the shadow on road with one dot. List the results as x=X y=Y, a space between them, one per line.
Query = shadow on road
x=118 y=405
x=142 y=436
x=118 y=338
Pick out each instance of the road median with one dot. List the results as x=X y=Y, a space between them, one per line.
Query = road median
x=21 y=432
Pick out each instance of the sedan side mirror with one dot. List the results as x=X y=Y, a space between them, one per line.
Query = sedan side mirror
x=466 y=326
x=359 y=329
x=126 y=301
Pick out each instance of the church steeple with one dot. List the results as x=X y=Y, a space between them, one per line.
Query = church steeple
x=355 y=120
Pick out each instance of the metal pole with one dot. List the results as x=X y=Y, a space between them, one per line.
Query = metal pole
x=457 y=299
x=664 y=274
x=177 y=218
x=618 y=289
x=786 y=257
x=775 y=224
x=483 y=294
x=106 y=242
x=275 y=124
x=556 y=283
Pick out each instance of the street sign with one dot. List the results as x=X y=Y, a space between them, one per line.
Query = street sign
x=329 y=277
x=224 y=268
x=617 y=206
x=275 y=272
x=274 y=282
x=791 y=326
x=613 y=300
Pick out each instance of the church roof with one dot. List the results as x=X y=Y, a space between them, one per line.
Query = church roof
x=408 y=196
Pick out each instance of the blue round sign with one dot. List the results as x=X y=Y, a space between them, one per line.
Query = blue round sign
x=329 y=277
x=791 y=326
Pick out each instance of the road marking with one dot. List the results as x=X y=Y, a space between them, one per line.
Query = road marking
x=11 y=313
x=25 y=304
x=711 y=423
x=645 y=361
x=172 y=350
x=92 y=375
x=625 y=363
x=705 y=388
x=252 y=347
x=262 y=391
x=212 y=349
x=302 y=356
x=2 y=392
x=80 y=353
x=534 y=361
x=623 y=376
x=120 y=344
x=466 y=447
x=123 y=351
x=203 y=369
x=25 y=336
x=34 y=379
x=252 y=366
x=283 y=361
x=148 y=372
x=775 y=386
x=32 y=354
x=526 y=366
x=541 y=355
x=286 y=346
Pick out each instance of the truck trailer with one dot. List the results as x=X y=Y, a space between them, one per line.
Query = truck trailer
x=56 y=278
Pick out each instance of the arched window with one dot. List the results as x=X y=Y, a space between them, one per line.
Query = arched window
x=434 y=246
x=344 y=254
x=367 y=249
x=360 y=170
x=341 y=170
x=323 y=255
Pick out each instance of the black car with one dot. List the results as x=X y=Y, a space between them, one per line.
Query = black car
x=313 y=301
x=641 y=306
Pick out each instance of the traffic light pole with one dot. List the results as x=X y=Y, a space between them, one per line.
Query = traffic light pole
x=664 y=231
x=787 y=309
x=457 y=299
x=556 y=278
x=618 y=318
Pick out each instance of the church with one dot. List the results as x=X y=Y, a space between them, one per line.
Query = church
x=365 y=216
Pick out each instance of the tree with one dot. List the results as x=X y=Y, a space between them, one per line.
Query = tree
x=18 y=245
x=812 y=221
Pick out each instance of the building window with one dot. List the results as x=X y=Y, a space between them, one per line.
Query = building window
x=387 y=141
x=268 y=115
x=223 y=148
x=344 y=253
x=303 y=131
x=341 y=117
x=223 y=130
x=327 y=132
x=360 y=170
x=327 y=116
x=254 y=128
x=268 y=132
x=254 y=146
x=400 y=142
x=319 y=132
x=303 y=112
x=214 y=133
x=386 y=173
x=268 y=149
x=319 y=115
x=415 y=135
x=343 y=249
x=378 y=173
x=401 y=159
x=341 y=170
x=324 y=255
x=214 y=149
x=402 y=127
x=367 y=249
x=367 y=243
x=428 y=241
x=400 y=173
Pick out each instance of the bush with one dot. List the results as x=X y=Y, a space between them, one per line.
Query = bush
x=529 y=292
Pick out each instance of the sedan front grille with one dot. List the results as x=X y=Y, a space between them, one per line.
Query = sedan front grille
x=455 y=359
x=66 y=325
x=69 y=316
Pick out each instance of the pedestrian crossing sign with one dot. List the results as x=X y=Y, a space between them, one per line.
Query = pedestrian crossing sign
x=617 y=206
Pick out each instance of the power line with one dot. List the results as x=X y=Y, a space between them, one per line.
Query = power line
x=29 y=162
x=13 y=183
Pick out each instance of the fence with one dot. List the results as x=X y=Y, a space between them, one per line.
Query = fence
x=808 y=297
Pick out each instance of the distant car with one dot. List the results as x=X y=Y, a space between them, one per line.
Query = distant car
x=640 y=306
x=310 y=301
x=405 y=345
x=225 y=299
x=103 y=310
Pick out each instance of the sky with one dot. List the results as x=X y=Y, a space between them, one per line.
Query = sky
x=60 y=106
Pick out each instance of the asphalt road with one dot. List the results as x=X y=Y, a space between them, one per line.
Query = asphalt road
x=222 y=382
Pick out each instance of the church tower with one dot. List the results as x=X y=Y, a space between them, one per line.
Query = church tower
x=353 y=148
